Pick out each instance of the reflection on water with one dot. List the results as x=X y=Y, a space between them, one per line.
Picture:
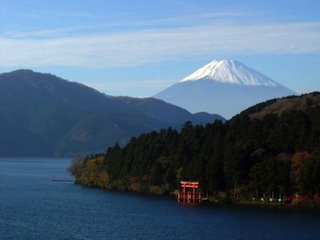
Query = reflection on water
x=34 y=207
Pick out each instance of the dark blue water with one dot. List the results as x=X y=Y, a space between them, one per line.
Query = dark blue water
x=34 y=207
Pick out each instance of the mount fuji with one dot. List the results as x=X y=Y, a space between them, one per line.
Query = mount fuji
x=226 y=87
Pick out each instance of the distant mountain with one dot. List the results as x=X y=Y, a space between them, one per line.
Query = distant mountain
x=44 y=115
x=225 y=87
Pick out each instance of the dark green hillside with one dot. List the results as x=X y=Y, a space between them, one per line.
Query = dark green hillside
x=270 y=153
x=43 y=115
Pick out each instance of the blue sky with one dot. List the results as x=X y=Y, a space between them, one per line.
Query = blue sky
x=138 y=48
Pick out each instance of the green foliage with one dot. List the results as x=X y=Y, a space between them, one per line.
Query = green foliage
x=270 y=177
x=269 y=157
x=310 y=176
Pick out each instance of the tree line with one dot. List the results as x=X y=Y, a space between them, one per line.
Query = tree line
x=245 y=158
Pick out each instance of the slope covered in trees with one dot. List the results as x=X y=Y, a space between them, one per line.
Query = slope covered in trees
x=267 y=155
x=44 y=115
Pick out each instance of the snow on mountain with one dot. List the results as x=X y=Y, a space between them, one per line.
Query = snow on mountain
x=230 y=71
x=223 y=87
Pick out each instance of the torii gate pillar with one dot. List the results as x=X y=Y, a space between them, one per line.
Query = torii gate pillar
x=189 y=193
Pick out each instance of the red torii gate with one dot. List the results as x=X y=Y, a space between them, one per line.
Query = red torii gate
x=189 y=193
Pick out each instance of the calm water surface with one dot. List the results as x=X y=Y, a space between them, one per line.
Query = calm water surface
x=34 y=207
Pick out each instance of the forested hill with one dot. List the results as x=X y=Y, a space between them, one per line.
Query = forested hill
x=271 y=149
x=44 y=115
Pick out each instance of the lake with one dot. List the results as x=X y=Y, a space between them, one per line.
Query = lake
x=34 y=207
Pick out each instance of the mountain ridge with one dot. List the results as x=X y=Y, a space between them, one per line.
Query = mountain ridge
x=44 y=115
x=282 y=105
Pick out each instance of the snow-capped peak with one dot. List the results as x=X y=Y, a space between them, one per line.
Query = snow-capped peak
x=232 y=72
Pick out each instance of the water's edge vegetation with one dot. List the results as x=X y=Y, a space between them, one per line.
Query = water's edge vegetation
x=272 y=159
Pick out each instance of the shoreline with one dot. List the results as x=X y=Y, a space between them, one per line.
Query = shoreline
x=306 y=204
